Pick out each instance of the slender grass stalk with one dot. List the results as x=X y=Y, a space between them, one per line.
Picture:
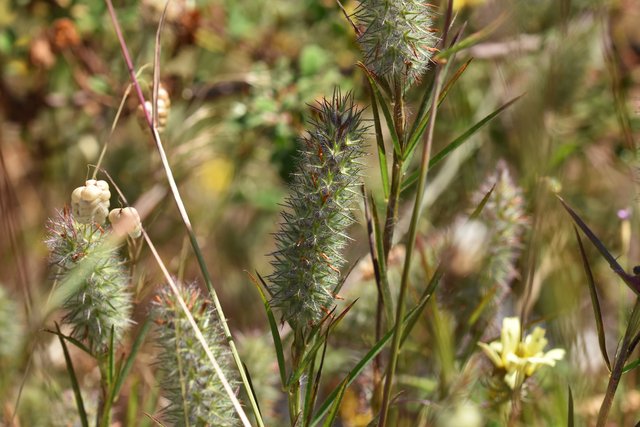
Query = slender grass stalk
x=413 y=230
x=185 y=218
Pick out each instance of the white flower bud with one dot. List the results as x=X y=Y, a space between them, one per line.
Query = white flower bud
x=90 y=202
x=126 y=221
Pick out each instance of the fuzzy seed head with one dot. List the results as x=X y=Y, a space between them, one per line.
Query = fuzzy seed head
x=125 y=221
x=312 y=235
x=505 y=211
x=101 y=303
x=196 y=395
x=396 y=39
x=90 y=202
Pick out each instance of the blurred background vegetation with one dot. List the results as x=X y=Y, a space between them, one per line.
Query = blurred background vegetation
x=240 y=74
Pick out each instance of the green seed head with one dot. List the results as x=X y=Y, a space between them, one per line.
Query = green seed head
x=196 y=395
x=396 y=40
x=312 y=235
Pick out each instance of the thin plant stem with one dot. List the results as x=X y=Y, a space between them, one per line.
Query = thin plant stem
x=185 y=218
x=413 y=231
x=399 y=118
x=618 y=365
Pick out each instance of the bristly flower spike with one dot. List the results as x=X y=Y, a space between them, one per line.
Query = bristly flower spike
x=196 y=395
x=102 y=303
x=397 y=41
x=312 y=234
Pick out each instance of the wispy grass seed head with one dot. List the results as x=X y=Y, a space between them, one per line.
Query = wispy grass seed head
x=189 y=382
x=312 y=235
x=397 y=40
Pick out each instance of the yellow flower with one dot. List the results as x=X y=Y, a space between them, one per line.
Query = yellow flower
x=520 y=358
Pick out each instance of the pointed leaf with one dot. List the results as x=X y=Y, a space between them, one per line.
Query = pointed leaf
x=274 y=329
x=335 y=405
x=128 y=364
x=595 y=302
x=632 y=281
x=570 y=421
x=74 y=380
x=385 y=109
x=422 y=119
x=382 y=152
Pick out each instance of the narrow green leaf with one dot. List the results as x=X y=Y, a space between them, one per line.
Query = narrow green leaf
x=631 y=366
x=422 y=119
x=274 y=330
x=335 y=405
x=478 y=210
x=128 y=364
x=385 y=109
x=307 y=410
x=412 y=317
x=111 y=359
x=570 y=421
x=252 y=389
x=382 y=152
x=469 y=132
x=595 y=302
x=72 y=340
x=632 y=281
x=358 y=368
x=472 y=39
x=74 y=380
x=313 y=349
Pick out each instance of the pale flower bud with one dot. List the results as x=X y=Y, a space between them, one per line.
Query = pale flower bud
x=126 y=221
x=90 y=202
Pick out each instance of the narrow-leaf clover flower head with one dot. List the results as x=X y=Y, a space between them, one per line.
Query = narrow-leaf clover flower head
x=101 y=302
x=312 y=235
x=195 y=393
x=397 y=40
x=519 y=358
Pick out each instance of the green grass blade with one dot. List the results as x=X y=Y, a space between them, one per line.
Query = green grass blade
x=274 y=329
x=335 y=405
x=128 y=364
x=382 y=152
x=631 y=366
x=478 y=210
x=466 y=135
x=72 y=340
x=359 y=367
x=570 y=421
x=313 y=349
x=252 y=390
x=632 y=281
x=595 y=302
x=423 y=119
x=74 y=380
x=472 y=39
x=385 y=109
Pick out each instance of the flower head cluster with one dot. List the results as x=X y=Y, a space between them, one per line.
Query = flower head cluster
x=308 y=257
x=195 y=393
x=90 y=202
x=397 y=40
x=519 y=358
x=101 y=302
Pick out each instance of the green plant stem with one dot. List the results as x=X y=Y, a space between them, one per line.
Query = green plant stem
x=618 y=365
x=399 y=118
x=413 y=231
x=185 y=218
x=297 y=354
